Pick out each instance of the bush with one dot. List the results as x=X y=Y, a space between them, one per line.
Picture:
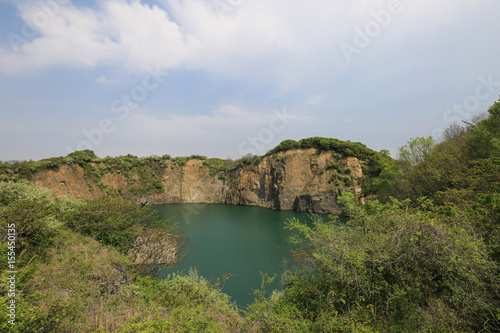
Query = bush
x=284 y=146
x=248 y=159
x=155 y=187
x=28 y=212
x=485 y=139
x=21 y=191
x=196 y=305
x=345 y=148
x=109 y=221
x=30 y=221
x=218 y=165
x=51 y=163
x=398 y=270
x=83 y=154
x=348 y=181
x=181 y=161
x=333 y=165
x=119 y=223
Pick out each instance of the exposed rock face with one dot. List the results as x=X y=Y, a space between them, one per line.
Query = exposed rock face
x=296 y=180
x=150 y=250
x=68 y=180
x=301 y=180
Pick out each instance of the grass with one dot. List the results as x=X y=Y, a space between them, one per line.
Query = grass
x=79 y=285
x=70 y=280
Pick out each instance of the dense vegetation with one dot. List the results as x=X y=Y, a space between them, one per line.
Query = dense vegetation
x=344 y=148
x=73 y=273
x=143 y=175
x=422 y=255
x=86 y=158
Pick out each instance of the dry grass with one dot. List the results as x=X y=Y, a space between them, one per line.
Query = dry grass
x=84 y=278
x=83 y=286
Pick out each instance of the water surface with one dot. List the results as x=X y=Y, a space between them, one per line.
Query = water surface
x=240 y=240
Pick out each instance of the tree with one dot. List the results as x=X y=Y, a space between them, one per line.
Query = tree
x=400 y=270
x=416 y=151
x=84 y=154
x=125 y=225
x=485 y=140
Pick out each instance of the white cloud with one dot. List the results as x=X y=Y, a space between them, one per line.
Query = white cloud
x=138 y=35
x=133 y=35
x=285 y=42
x=276 y=52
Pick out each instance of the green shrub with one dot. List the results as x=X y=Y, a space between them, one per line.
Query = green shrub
x=118 y=223
x=181 y=161
x=282 y=159
x=344 y=148
x=21 y=191
x=155 y=187
x=51 y=163
x=333 y=165
x=218 y=165
x=197 y=157
x=86 y=154
x=347 y=181
x=394 y=270
x=197 y=305
x=284 y=146
x=29 y=221
x=248 y=159
x=30 y=318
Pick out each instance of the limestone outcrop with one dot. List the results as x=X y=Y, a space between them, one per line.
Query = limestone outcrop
x=304 y=180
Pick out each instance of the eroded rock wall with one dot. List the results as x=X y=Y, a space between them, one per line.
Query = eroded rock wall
x=302 y=180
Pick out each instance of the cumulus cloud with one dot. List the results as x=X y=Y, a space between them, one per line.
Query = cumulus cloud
x=193 y=33
x=286 y=42
x=133 y=35
x=251 y=53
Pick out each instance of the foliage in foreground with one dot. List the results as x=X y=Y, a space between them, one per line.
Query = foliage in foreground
x=85 y=287
x=78 y=279
x=427 y=261
x=120 y=223
x=394 y=270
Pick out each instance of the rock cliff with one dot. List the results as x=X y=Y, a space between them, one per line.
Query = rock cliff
x=304 y=180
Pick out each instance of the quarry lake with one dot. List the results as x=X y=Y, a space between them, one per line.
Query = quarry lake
x=240 y=240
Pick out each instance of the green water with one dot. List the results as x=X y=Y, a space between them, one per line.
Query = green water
x=240 y=240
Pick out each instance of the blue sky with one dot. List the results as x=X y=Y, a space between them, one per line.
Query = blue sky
x=224 y=78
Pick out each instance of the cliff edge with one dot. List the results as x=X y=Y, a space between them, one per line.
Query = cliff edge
x=288 y=178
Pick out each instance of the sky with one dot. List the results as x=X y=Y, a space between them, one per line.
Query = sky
x=227 y=78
